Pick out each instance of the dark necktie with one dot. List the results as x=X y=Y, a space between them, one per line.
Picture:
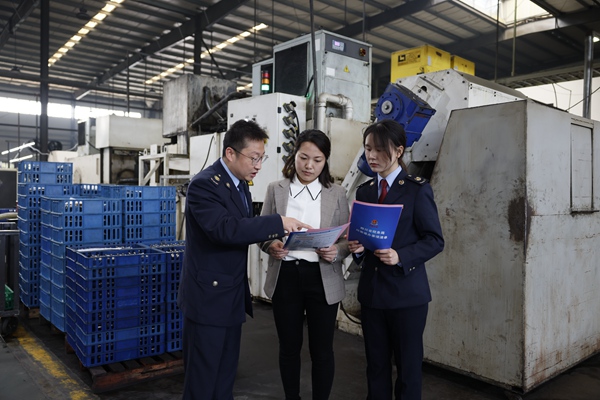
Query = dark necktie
x=384 y=190
x=243 y=196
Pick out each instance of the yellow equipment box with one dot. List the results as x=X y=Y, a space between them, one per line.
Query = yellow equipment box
x=418 y=60
x=461 y=65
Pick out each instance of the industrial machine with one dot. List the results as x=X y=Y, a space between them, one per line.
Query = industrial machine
x=516 y=184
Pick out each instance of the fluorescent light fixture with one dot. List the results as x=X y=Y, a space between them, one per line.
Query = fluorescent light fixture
x=205 y=53
x=109 y=7
x=15 y=160
x=596 y=39
x=23 y=146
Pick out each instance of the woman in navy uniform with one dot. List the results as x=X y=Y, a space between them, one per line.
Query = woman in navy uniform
x=213 y=293
x=393 y=289
x=307 y=282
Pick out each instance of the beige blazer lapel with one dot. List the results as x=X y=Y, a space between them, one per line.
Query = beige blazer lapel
x=282 y=192
x=328 y=203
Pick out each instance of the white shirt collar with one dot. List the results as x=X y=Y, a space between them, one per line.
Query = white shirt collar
x=390 y=178
x=314 y=188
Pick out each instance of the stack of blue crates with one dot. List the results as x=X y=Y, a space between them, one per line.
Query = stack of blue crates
x=149 y=214
x=174 y=260
x=36 y=179
x=115 y=304
x=71 y=222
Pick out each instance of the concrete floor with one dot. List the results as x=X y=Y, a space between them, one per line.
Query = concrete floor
x=34 y=365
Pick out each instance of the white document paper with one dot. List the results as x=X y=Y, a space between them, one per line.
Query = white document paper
x=314 y=238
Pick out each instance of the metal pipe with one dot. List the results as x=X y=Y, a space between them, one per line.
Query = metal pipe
x=44 y=87
x=338 y=99
x=587 y=76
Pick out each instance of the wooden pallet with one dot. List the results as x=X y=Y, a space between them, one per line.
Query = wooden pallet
x=125 y=373
x=30 y=313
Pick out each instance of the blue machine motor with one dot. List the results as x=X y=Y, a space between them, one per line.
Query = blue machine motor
x=402 y=105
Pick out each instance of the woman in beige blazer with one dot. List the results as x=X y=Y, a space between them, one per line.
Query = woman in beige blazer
x=306 y=282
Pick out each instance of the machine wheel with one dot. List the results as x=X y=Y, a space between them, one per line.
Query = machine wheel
x=9 y=325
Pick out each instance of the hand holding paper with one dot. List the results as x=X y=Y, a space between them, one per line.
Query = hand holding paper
x=314 y=238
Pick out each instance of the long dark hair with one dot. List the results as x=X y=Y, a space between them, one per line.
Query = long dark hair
x=320 y=140
x=387 y=133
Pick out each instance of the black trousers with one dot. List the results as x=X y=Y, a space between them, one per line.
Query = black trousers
x=300 y=290
x=210 y=359
x=398 y=333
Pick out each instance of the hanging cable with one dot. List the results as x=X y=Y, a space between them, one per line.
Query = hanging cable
x=314 y=55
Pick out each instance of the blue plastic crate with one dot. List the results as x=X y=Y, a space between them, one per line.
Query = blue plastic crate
x=107 y=325
x=111 y=298
x=69 y=236
x=55 y=263
x=118 y=283
x=123 y=262
x=30 y=239
x=149 y=218
x=50 y=190
x=29 y=226
x=45 y=285
x=174 y=320
x=149 y=192
x=155 y=333
x=174 y=277
x=174 y=331
x=106 y=354
x=45 y=166
x=29 y=295
x=148 y=206
x=28 y=214
x=57 y=320
x=80 y=221
x=29 y=274
x=172 y=287
x=139 y=233
x=30 y=263
x=84 y=205
x=58 y=293
x=27 y=250
x=96 y=317
x=57 y=306
x=45 y=177
x=59 y=249
x=100 y=190
x=173 y=345
x=32 y=202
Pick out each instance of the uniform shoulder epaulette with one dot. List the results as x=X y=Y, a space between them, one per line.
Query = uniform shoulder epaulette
x=216 y=179
x=416 y=179
x=369 y=182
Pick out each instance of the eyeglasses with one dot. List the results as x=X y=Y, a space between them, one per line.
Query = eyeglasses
x=255 y=160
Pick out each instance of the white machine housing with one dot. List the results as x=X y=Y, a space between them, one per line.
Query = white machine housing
x=445 y=91
x=343 y=67
x=515 y=292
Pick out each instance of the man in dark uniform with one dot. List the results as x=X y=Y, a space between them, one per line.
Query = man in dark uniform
x=213 y=293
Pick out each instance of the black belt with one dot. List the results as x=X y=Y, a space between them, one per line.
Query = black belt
x=303 y=263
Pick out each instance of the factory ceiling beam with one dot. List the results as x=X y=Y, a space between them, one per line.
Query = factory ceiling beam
x=544 y=25
x=20 y=76
x=543 y=4
x=391 y=15
x=207 y=18
x=21 y=13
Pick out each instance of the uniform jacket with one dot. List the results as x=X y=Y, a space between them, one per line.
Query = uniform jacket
x=417 y=239
x=334 y=212
x=214 y=287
